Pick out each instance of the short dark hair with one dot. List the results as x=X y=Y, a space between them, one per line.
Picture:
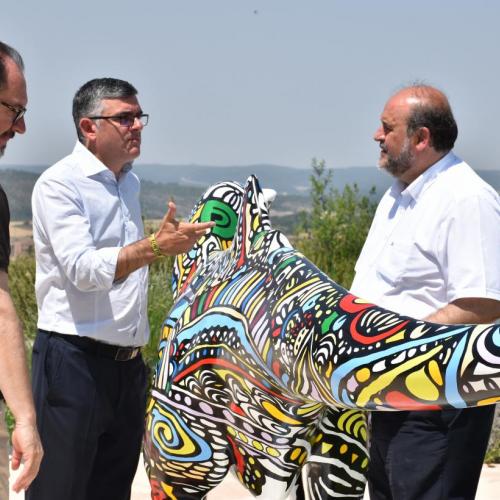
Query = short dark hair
x=434 y=114
x=88 y=98
x=8 y=52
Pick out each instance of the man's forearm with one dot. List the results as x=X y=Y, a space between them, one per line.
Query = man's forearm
x=14 y=379
x=133 y=257
x=467 y=311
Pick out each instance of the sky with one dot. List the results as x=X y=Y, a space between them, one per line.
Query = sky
x=241 y=82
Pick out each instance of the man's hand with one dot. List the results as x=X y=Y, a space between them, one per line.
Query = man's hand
x=26 y=448
x=176 y=237
x=173 y=238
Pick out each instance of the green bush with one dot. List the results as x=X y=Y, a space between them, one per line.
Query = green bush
x=22 y=289
x=333 y=234
x=493 y=454
x=159 y=303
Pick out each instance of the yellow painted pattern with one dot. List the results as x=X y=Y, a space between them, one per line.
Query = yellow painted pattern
x=272 y=451
x=257 y=302
x=488 y=401
x=435 y=372
x=278 y=414
x=294 y=290
x=309 y=409
x=244 y=289
x=387 y=378
x=397 y=336
x=168 y=490
x=363 y=375
x=325 y=448
x=421 y=386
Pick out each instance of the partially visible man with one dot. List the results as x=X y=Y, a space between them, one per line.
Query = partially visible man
x=14 y=378
x=432 y=252
x=88 y=375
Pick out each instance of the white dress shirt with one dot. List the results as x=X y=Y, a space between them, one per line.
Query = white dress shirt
x=82 y=216
x=432 y=242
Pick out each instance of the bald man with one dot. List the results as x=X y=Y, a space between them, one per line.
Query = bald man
x=431 y=253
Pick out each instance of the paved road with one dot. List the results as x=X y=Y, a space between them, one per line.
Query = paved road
x=230 y=488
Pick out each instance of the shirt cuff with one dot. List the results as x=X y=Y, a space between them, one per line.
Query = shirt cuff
x=105 y=260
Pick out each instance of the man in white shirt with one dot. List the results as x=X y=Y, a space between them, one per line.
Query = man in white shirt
x=89 y=379
x=432 y=252
x=14 y=377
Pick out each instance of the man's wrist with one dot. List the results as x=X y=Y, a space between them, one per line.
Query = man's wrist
x=154 y=245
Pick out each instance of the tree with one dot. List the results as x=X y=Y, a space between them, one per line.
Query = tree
x=333 y=234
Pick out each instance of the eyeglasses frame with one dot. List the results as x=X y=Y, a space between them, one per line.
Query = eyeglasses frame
x=119 y=117
x=19 y=111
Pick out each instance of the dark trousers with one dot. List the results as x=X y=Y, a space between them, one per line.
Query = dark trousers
x=90 y=413
x=429 y=455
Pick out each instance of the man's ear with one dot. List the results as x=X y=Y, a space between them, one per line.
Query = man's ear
x=422 y=138
x=88 y=127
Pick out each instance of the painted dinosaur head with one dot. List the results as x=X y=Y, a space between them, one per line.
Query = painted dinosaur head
x=240 y=214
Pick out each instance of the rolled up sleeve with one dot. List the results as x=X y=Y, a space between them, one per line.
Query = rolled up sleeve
x=62 y=230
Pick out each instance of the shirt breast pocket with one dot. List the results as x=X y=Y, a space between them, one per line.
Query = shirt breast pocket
x=406 y=264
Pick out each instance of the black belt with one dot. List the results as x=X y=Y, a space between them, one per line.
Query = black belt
x=91 y=346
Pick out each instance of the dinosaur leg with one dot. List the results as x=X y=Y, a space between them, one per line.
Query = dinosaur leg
x=338 y=461
x=185 y=456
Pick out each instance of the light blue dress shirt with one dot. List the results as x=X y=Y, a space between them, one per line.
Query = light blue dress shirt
x=82 y=217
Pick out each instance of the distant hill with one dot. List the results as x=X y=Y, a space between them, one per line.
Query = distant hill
x=285 y=180
x=185 y=183
x=18 y=186
x=154 y=196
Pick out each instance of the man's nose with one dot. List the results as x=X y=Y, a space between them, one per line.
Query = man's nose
x=137 y=123
x=19 y=127
x=378 y=135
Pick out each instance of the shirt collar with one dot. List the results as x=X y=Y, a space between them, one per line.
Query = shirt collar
x=425 y=179
x=91 y=165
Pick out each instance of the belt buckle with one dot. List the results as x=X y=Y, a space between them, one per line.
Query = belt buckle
x=126 y=353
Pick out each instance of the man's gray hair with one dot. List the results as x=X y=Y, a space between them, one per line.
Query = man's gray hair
x=88 y=99
x=8 y=52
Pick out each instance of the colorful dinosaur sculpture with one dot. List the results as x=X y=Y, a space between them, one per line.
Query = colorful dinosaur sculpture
x=265 y=362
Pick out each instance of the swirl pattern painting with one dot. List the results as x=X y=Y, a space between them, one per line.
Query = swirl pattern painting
x=265 y=363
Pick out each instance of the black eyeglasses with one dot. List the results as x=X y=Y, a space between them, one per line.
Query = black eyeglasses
x=17 y=110
x=125 y=119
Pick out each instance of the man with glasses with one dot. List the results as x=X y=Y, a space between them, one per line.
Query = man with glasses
x=14 y=378
x=89 y=379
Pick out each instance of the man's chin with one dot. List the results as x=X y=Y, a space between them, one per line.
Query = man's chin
x=381 y=164
x=387 y=169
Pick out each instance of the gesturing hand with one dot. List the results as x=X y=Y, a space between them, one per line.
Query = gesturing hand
x=176 y=237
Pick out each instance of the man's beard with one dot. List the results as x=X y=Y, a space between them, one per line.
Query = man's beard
x=398 y=165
